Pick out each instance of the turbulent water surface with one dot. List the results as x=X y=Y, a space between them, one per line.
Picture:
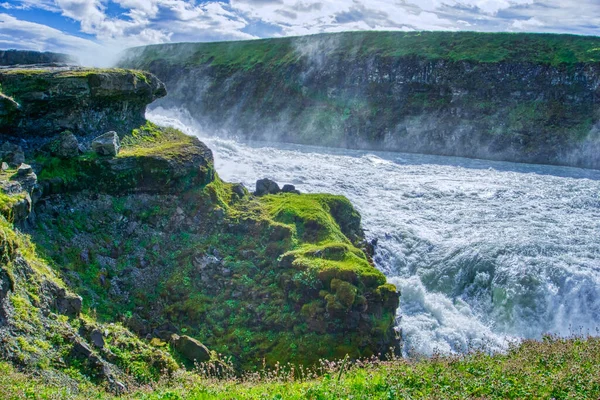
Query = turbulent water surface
x=482 y=251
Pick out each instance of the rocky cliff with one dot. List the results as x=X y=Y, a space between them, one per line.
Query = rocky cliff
x=119 y=267
x=38 y=102
x=24 y=57
x=517 y=97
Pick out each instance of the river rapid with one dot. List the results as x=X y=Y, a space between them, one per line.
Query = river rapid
x=483 y=252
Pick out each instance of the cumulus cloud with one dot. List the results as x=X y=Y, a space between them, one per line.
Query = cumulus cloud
x=138 y=22
x=33 y=36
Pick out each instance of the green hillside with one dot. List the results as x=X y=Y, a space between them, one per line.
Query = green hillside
x=456 y=46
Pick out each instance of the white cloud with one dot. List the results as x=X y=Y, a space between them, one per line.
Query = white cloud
x=33 y=36
x=527 y=24
x=155 y=21
x=38 y=36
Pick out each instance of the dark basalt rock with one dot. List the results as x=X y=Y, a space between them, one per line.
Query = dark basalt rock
x=266 y=186
x=190 y=348
x=65 y=146
x=97 y=338
x=290 y=189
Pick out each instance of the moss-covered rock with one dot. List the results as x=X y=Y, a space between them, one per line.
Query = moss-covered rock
x=44 y=101
x=151 y=160
x=41 y=328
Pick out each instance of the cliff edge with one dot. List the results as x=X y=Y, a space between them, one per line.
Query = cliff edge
x=516 y=97
x=126 y=257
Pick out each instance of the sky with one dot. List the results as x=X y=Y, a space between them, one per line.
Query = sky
x=96 y=30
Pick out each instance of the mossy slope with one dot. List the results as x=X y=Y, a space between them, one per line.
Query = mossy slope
x=155 y=239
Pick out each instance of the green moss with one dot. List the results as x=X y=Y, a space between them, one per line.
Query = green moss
x=7 y=202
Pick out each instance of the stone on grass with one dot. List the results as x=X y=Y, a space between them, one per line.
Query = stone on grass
x=266 y=186
x=190 y=348
x=107 y=144
x=289 y=189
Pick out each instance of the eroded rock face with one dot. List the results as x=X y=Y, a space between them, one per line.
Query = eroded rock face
x=520 y=111
x=42 y=102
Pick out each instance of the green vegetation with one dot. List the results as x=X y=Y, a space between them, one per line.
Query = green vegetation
x=552 y=368
x=153 y=159
x=280 y=278
x=42 y=339
x=152 y=140
x=455 y=46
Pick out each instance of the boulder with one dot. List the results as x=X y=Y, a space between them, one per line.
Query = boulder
x=239 y=189
x=65 y=146
x=107 y=144
x=266 y=186
x=80 y=349
x=24 y=170
x=4 y=166
x=97 y=338
x=190 y=348
x=68 y=304
x=289 y=189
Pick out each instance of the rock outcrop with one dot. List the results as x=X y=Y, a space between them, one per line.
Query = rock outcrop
x=40 y=102
x=266 y=186
x=190 y=348
x=147 y=235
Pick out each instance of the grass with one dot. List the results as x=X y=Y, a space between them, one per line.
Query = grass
x=455 y=46
x=151 y=139
x=557 y=368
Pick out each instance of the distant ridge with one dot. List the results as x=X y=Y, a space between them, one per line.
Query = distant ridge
x=28 y=57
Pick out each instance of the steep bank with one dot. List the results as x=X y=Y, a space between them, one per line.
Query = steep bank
x=115 y=267
x=516 y=97
x=40 y=102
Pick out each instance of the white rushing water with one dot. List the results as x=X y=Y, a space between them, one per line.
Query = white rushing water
x=481 y=251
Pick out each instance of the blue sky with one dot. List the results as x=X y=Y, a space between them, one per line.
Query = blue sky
x=97 y=29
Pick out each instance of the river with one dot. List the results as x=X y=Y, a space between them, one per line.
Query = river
x=483 y=252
